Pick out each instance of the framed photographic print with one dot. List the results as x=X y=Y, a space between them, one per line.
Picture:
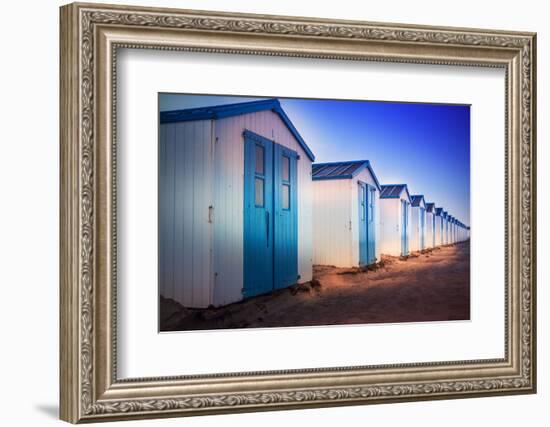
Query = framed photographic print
x=266 y=212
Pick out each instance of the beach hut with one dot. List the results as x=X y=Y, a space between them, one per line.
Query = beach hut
x=439 y=226
x=234 y=203
x=430 y=225
x=345 y=214
x=418 y=223
x=451 y=220
x=445 y=228
x=395 y=217
x=455 y=226
x=453 y=235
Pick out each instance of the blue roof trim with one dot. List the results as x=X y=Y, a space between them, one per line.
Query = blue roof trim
x=398 y=196
x=230 y=110
x=430 y=207
x=327 y=178
x=439 y=211
x=365 y=164
x=416 y=199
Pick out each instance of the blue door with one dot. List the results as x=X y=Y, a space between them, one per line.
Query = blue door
x=366 y=224
x=363 y=224
x=270 y=216
x=404 y=227
x=286 y=217
x=258 y=215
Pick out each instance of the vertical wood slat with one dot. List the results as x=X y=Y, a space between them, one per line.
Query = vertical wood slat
x=183 y=212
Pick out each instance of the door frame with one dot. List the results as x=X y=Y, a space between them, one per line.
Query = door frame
x=274 y=216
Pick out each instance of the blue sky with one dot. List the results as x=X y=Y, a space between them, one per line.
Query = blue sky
x=426 y=146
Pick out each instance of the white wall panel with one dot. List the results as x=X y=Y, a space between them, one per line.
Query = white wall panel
x=391 y=226
x=417 y=228
x=332 y=222
x=184 y=199
x=438 y=230
x=430 y=218
x=390 y=230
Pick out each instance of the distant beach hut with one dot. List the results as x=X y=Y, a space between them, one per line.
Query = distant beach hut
x=395 y=218
x=439 y=226
x=451 y=229
x=345 y=214
x=430 y=225
x=418 y=223
x=455 y=228
x=446 y=227
x=235 y=203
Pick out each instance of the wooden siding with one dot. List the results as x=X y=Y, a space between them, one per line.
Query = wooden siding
x=336 y=220
x=416 y=229
x=438 y=230
x=430 y=235
x=229 y=202
x=185 y=194
x=332 y=222
x=391 y=226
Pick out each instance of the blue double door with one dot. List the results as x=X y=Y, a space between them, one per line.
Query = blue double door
x=367 y=242
x=270 y=216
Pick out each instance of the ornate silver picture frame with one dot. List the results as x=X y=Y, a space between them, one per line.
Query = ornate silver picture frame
x=91 y=34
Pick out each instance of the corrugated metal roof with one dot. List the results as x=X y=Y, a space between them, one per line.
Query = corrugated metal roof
x=237 y=109
x=393 y=191
x=416 y=199
x=341 y=170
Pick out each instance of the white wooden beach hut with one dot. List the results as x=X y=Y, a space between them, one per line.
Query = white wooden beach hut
x=445 y=228
x=451 y=220
x=439 y=226
x=430 y=225
x=345 y=214
x=235 y=203
x=459 y=231
x=395 y=218
x=465 y=232
x=418 y=223
x=455 y=237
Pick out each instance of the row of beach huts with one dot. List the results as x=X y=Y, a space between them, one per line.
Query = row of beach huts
x=244 y=210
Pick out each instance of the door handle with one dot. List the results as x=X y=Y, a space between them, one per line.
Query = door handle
x=267 y=226
x=210 y=214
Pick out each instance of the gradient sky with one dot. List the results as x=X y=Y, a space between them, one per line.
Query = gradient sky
x=426 y=146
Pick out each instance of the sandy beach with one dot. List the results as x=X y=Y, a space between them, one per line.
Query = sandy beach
x=432 y=285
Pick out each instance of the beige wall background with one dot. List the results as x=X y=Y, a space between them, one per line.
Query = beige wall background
x=29 y=170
